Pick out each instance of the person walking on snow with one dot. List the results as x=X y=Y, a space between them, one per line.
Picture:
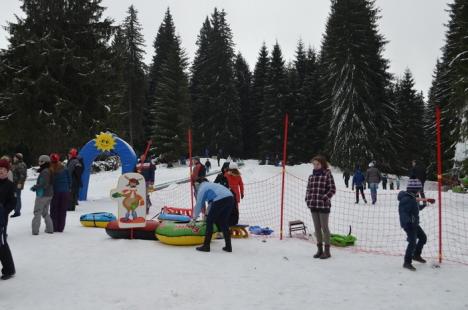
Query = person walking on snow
x=44 y=192
x=75 y=168
x=358 y=183
x=346 y=176
x=384 y=181
x=408 y=210
x=198 y=173
x=7 y=204
x=320 y=190
x=220 y=201
x=62 y=182
x=208 y=165
x=373 y=177
x=20 y=172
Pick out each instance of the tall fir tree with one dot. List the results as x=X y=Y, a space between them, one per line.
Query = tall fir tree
x=216 y=108
x=243 y=80
x=312 y=107
x=411 y=122
x=355 y=86
x=134 y=96
x=274 y=107
x=259 y=83
x=57 y=69
x=170 y=98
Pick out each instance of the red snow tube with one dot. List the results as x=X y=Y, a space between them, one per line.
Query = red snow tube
x=144 y=233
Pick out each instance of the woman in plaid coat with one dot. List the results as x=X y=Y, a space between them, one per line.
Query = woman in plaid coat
x=320 y=190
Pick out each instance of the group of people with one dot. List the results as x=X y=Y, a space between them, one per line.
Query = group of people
x=56 y=190
x=321 y=188
x=222 y=196
x=373 y=177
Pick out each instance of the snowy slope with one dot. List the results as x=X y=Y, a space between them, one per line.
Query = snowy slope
x=83 y=268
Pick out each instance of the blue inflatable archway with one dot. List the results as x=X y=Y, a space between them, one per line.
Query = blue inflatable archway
x=89 y=152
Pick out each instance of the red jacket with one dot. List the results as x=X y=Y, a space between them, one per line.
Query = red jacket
x=235 y=184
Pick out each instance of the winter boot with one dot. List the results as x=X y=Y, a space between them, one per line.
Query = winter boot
x=418 y=258
x=326 y=254
x=409 y=266
x=228 y=247
x=204 y=248
x=319 y=250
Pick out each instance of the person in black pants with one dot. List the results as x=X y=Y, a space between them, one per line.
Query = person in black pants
x=7 y=204
x=358 y=182
x=220 y=201
x=408 y=210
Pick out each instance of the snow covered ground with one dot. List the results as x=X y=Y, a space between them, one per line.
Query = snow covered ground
x=83 y=268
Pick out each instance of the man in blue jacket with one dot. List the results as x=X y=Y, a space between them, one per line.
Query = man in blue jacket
x=409 y=220
x=220 y=201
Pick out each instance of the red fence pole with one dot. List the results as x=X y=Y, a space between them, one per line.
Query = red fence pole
x=439 y=178
x=190 y=164
x=285 y=143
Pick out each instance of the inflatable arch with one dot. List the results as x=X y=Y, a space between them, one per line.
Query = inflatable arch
x=105 y=142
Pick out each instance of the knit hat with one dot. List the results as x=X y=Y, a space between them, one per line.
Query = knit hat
x=4 y=164
x=371 y=164
x=54 y=157
x=233 y=166
x=44 y=159
x=414 y=185
x=19 y=156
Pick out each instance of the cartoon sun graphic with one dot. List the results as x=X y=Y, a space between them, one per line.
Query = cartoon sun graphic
x=104 y=142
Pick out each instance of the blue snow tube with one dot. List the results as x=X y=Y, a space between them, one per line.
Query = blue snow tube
x=98 y=219
x=257 y=230
x=173 y=217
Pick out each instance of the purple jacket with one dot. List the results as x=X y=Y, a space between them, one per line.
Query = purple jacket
x=320 y=190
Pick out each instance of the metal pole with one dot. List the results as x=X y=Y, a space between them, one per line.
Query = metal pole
x=439 y=178
x=285 y=143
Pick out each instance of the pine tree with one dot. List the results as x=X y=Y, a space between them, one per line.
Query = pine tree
x=410 y=106
x=355 y=82
x=243 y=80
x=258 y=94
x=274 y=107
x=134 y=97
x=216 y=108
x=170 y=105
x=57 y=67
x=456 y=63
x=313 y=142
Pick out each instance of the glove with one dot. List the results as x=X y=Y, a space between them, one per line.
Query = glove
x=431 y=200
x=34 y=188
x=242 y=196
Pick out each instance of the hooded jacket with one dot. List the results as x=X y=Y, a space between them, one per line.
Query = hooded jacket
x=408 y=210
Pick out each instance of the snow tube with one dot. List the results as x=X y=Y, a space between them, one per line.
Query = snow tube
x=176 y=233
x=342 y=240
x=257 y=230
x=174 y=217
x=144 y=233
x=99 y=219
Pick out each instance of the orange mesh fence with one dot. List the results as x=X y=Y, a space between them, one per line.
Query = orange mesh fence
x=376 y=227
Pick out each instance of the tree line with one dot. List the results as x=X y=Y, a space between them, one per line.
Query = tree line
x=69 y=73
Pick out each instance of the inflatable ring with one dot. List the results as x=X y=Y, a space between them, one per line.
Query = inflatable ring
x=176 y=233
x=99 y=219
x=174 y=217
x=143 y=233
x=239 y=231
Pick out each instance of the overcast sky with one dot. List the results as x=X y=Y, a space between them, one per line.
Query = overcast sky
x=414 y=28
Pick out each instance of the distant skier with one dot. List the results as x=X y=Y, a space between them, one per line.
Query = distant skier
x=346 y=176
x=373 y=177
x=384 y=181
x=358 y=182
x=208 y=165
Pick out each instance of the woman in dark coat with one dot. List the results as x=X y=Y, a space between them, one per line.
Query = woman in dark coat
x=7 y=204
x=62 y=196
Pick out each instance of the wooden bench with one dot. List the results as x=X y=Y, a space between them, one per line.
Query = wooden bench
x=239 y=231
x=297 y=225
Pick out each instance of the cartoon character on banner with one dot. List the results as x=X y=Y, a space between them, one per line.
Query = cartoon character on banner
x=130 y=195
